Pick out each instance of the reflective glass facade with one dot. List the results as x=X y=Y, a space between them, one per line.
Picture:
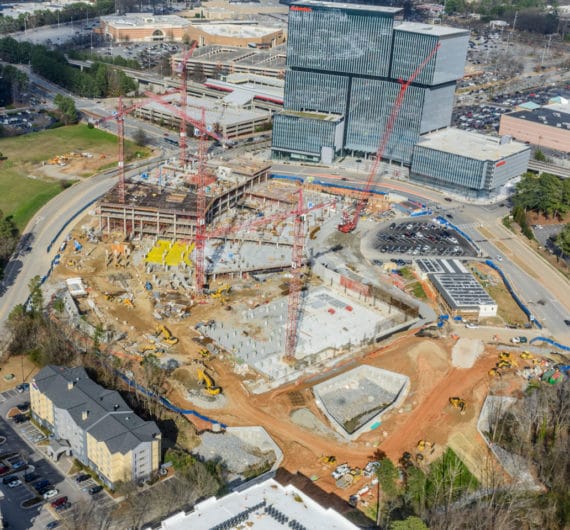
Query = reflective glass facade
x=347 y=60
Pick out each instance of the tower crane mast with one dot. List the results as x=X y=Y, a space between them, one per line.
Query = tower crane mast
x=350 y=223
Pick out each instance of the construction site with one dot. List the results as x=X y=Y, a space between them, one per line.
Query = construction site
x=282 y=342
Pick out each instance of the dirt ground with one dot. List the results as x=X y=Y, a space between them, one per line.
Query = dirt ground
x=22 y=369
x=425 y=414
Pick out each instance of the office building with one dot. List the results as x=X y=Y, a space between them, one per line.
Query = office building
x=466 y=162
x=94 y=425
x=346 y=61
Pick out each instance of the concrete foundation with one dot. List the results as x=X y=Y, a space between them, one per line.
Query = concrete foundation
x=355 y=401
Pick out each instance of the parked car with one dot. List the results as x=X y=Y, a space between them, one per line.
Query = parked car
x=4 y=469
x=41 y=484
x=19 y=418
x=82 y=477
x=23 y=387
x=23 y=407
x=93 y=490
x=62 y=507
x=7 y=480
x=59 y=502
x=50 y=494
x=19 y=465
x=519 y=340
x=30 y=477
x=52 y=524
x=15 y=483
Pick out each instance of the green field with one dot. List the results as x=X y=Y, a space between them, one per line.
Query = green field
x=22 y=196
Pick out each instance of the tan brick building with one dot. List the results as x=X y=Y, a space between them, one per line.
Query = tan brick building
x=236 y=34
x=144 y=27
x=543 y=127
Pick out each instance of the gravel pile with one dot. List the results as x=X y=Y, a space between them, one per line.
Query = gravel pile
x=233 y=452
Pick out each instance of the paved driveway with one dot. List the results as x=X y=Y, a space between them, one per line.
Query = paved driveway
x=20 y=438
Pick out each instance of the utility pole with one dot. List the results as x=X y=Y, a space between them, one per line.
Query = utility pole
x=512 y=30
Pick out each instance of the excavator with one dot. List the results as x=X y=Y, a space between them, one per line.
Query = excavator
x=220 y=292
x=211 y=388
x=508 y=358
x=527 y=356
x=168 y=337
x=204 y=353
x=458 y=403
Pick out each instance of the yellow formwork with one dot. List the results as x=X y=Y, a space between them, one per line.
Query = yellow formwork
x=170 y=253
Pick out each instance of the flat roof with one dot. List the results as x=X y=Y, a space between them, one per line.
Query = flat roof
x=429 y=29
x=354 y=7
x=313 y=115
x=238 y=30
x=273 y=59
x=461 y=290
x=247 y=91
x=134 y=20
x=267 y=505
x=552 y=115
x=216 y=111
x=470 y=144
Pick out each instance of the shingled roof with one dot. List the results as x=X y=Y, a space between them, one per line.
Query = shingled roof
x=101 y=412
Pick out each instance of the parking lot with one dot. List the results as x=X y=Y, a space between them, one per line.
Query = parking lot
x=422 y=238
x=24 y=460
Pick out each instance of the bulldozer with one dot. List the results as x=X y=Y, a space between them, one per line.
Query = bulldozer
x=507 y=357
x=328 y=460
x=504 y=364
x=168 y=337
x=205 y=379
x=458 y=403
x=527 y=356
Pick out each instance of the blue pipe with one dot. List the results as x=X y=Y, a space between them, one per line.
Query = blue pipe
x=550 y=341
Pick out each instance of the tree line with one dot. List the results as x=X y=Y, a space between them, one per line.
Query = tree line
x=546 y=194
x=46 y=17
x=12 y=84
x=101 y=80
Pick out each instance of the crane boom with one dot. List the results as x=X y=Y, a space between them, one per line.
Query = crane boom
x=349 y=224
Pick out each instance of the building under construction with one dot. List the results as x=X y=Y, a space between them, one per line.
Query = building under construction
x=164 y=204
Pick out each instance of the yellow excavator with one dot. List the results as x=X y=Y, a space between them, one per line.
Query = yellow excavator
x=527 y=356
x=204 y=353
x=207 y=380
x=221 y=292
x=168 y=337
x=458 y=403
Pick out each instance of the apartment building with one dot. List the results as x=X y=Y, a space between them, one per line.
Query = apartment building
x=96 y=424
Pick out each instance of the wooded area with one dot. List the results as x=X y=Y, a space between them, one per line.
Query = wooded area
x=101 y=80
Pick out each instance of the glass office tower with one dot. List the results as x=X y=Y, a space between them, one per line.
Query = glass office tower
x=346 y=60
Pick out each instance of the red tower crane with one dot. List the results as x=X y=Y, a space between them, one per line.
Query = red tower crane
x=119 y=116
x=349 y=224
x=295 y=283
x=199 y=265
x=183 y=70
x=225 y=231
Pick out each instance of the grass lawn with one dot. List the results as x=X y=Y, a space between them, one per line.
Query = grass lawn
x=22 y=196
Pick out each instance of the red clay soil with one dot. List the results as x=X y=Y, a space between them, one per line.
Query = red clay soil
x=425 y=414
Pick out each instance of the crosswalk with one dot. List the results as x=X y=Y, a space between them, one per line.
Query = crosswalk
x=8 y=394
